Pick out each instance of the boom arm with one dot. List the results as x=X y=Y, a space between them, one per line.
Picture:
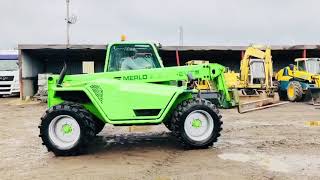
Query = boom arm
x=211 y=72
x=257 y=53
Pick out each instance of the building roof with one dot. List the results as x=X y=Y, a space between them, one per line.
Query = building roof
x=8 y=57
x=9 y=54
x=167 y=48
x=238 y=48
x=61 y=46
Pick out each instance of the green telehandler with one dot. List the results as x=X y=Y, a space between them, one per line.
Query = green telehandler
x=134 y=89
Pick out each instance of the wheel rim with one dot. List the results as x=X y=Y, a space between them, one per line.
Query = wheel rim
x=290 y=91
x=64 y=132
x=199 y=125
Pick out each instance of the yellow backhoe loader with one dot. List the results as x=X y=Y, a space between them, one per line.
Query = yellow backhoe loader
x=297 y=81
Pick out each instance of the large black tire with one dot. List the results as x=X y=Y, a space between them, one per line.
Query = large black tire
x=188 y=107
x=297 y=92
x=168 y=123
x=81 y=116
x=307 y=96
x=283 y=95
x=99 y=125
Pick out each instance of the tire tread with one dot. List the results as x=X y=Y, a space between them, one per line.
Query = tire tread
x=87 y=125
x=178 y=121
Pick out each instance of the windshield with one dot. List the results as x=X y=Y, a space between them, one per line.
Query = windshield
x=313 y=66
x=131 y=57
x=301 y=66
x=8 y=65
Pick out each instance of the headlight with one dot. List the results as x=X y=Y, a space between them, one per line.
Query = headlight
x=16 y=85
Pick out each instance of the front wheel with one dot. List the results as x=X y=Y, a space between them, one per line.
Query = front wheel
x=197 y=123
x=283 y=95
x=294 y=91
x=66 y=129
x=99 y=125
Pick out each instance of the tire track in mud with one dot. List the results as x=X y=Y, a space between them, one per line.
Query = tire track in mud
x=158 y=166
x=233 y=129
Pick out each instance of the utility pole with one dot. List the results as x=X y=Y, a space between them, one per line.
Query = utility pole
x=68 y=24
x=180 y=36
x=69 y=21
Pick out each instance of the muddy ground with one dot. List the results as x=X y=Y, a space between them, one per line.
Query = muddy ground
x=273 y=143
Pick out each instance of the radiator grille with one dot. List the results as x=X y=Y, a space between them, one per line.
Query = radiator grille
x=6 y=78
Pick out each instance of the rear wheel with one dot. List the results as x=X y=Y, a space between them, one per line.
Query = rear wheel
x=67 y=129
x=197 y=123
x=294 y=91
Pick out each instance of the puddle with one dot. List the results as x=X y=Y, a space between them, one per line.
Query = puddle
x=294 y=163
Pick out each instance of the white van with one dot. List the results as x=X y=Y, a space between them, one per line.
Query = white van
x=9 y=73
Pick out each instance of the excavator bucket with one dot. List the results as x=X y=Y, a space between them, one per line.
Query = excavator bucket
x=315 y=94
x=257 y=100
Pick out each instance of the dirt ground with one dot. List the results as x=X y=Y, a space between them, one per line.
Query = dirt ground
x=273 y=143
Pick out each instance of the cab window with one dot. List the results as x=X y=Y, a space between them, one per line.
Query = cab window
x=301 y=66
x=313 y=65
x=132 y=57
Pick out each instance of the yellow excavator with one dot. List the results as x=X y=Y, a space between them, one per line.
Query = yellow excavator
x=254 y=83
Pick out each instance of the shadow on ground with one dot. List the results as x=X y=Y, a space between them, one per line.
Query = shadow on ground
x=144 y=141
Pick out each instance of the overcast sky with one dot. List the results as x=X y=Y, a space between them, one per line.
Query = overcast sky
x=205 y=22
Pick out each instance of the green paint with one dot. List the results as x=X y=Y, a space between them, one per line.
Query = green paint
x=67 y=129
x=196 y=123
x=117 y=94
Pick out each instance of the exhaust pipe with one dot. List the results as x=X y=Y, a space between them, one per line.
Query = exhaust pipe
x=62 y=74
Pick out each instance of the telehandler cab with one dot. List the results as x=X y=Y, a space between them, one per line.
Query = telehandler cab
x=134 y=89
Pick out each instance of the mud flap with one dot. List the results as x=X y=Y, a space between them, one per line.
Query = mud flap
x=258 y=100
x=315 y=94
